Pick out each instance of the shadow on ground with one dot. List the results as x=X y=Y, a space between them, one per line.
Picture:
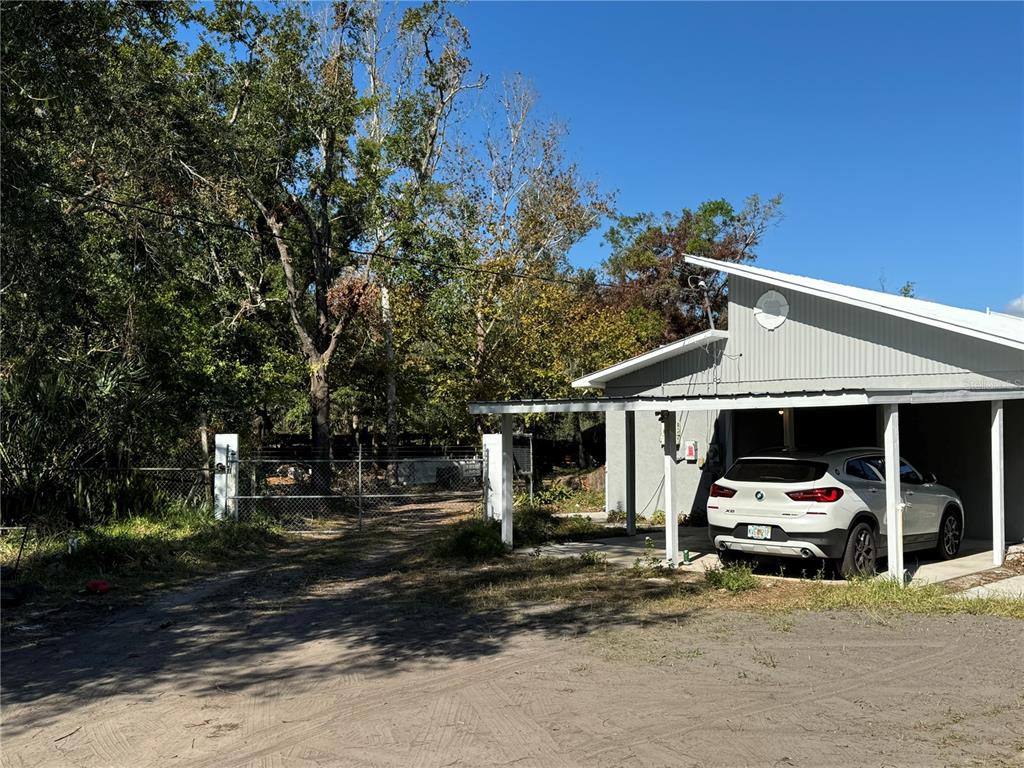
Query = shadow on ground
x=367 y=604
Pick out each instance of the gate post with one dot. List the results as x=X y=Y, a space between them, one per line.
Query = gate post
x=225 y=481
x=359 y=481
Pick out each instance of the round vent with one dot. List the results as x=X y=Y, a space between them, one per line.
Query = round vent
x=771 y=310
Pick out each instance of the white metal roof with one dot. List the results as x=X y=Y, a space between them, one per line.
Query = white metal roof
x=598 y=378
x=996 y=327
x=747 y=401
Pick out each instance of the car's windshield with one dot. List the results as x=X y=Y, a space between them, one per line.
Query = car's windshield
x=776 y=471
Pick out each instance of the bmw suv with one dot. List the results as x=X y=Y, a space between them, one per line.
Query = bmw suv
x=828 y=505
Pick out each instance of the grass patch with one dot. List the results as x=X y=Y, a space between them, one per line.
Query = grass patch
x=138 y=552
x=732 y=578
x=887 y=596
x=588 y=585
x=534 y=525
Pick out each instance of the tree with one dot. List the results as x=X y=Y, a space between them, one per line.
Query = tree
x=647 y=260
x=297 y=145
x=519 y=207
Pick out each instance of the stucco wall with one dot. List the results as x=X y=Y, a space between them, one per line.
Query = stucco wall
x=692 y=481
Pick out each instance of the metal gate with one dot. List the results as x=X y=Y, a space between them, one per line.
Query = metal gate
x=338 y=494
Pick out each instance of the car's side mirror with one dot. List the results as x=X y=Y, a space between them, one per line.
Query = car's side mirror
x=929 y=478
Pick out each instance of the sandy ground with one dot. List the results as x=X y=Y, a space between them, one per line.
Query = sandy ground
x=282 y=667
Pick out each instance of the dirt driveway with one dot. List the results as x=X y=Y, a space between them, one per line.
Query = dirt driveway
x=310 y=662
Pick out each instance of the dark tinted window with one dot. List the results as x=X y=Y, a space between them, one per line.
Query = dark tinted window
x=860 y=468
x=908 y=474
x=776 y=471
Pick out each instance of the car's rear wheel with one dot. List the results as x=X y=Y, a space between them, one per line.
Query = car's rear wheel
x=861 y=552
x=951 y=533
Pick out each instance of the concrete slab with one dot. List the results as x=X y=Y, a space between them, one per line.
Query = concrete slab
x=624 y=550
x=1012 y=587
x=974 y=556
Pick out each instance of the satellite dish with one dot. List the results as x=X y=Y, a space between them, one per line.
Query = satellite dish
x=771 y=310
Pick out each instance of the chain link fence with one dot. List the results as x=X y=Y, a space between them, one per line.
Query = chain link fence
x=338 y=494
x=52 y=496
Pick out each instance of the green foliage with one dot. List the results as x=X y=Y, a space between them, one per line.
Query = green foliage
x=187 y=230
x=592 y=559
x=170 y=542
x=617 y=516
x=533 y=525
x=473 y=540
x=650 y=562
x=658 y=518
x=733 y=578
x=648 y=259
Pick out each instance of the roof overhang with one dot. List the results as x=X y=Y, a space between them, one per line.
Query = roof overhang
x=598 y=379
x=997 y=328
x=746 y=401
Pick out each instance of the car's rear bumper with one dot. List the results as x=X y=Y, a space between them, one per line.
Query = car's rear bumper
x=826 y=544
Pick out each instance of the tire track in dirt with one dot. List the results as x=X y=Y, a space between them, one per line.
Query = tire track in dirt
x=394 y=692
x=656 y=732
x=517 y=734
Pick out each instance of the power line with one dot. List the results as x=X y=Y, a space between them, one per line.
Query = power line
x=305 y=241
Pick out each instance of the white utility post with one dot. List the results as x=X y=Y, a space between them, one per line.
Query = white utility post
x=507 y=463
x=630 y=473
x=788 y=429
x=893 y=493
x=492 y=491
x=225 y=477
x=998 y=486
x=671 y=514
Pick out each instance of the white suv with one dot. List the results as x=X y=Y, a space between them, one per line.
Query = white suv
x=828 y=505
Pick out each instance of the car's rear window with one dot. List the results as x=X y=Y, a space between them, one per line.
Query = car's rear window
x=776 y=471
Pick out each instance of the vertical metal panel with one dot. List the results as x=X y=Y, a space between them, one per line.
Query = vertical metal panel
x=824 y=344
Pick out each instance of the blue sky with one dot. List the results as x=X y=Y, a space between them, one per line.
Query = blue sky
x=895 y=131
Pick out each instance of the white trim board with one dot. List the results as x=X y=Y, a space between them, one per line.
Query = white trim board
x=997 y=327
x=747 y=401
x=598 y=379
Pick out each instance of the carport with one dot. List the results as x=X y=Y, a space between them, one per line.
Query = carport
x=808 y=361
x=888 y=404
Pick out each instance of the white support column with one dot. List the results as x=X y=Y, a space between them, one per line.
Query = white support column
x=630 y=473
x=893 y=493
x=998 y=486
x=507 y=464
x=788 y=429
x=671 y=513
x=225 y=477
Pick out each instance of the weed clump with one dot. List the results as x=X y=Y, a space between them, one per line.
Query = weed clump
x=473 y=540
x=732 y=578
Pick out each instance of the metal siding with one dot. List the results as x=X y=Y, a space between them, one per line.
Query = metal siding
x=828 y=345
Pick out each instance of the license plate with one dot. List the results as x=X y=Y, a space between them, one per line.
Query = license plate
x=759 y=531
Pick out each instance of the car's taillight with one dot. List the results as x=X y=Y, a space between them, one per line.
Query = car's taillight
x=817 y=494
x=722 y=491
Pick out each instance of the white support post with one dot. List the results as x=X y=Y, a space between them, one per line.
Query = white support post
x=225 y=478
x=671 y=514
x=998 y=486
x=893 y=493
x=507 y=463
x=630 y=473
x=788 y=429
